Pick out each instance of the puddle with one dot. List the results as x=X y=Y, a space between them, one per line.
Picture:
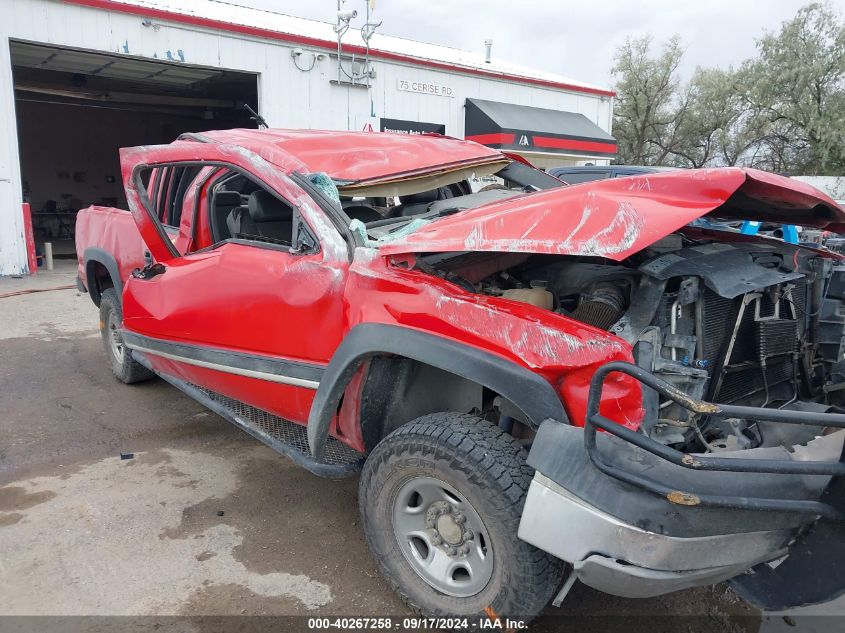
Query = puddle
x=91 y=540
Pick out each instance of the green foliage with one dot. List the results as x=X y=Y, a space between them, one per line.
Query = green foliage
x=783 y=110
x=645 y=108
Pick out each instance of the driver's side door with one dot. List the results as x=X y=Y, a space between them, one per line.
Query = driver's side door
x=253 y=317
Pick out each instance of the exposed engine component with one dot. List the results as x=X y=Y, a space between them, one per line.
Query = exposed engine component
x=738 y=324
x=744 y=323
x=835 y=385
x=601 y=306
x=537 y=296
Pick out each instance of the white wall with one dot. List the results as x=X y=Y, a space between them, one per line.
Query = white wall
x=288 y=97
x=834 y=186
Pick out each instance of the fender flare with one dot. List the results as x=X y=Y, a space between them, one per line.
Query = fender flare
x=532 y=394
x=97 y=255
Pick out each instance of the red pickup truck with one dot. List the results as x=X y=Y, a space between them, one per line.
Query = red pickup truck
x=524 y=373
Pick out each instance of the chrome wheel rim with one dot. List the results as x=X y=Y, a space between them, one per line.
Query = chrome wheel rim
x=442 y=537
x=114 y=339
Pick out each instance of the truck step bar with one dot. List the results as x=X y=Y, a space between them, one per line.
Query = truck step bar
x=285 y=437
x=594 y=421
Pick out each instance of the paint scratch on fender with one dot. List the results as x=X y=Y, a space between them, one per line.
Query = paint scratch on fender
x=536 y=343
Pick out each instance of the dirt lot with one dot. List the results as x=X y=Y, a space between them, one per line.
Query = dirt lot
x=203 y=520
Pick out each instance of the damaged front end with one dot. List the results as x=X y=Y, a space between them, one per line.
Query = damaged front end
x=643 y=519
x=699 y=492
x=696 y=492
x=703 y=492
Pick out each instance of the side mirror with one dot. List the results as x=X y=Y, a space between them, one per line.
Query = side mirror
x=303 y=241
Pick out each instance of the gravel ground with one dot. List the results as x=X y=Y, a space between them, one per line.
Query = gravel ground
x=203 y=521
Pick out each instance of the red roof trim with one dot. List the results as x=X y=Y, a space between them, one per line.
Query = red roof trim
x=161 y=14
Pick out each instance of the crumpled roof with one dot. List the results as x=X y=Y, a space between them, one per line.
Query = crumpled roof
x=352 y=157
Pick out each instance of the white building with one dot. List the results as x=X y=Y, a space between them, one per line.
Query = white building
x=81 y=78
x=834 y=186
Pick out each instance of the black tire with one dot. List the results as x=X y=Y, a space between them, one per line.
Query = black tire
x=123 y=366
x=487 y=468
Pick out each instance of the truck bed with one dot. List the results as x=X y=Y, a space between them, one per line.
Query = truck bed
x=107 y=233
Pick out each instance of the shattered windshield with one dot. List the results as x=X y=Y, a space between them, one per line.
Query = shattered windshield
x=383 y=218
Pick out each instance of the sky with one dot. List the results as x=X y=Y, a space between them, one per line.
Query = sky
x=573 y=39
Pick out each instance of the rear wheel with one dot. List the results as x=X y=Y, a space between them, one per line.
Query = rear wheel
x=441 y=499
x=125 y=368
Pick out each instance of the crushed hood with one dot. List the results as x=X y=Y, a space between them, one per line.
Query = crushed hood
x=619 y=217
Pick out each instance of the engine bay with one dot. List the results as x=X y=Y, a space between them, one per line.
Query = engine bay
x=744 y=322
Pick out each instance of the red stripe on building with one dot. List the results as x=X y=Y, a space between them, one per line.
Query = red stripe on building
x=573 y=144
x=545 y=142
x=494 y=138
x=162 y=14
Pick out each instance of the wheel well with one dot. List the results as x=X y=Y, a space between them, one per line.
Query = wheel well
x=535 y=397
x=99 y=279
x=397 y=390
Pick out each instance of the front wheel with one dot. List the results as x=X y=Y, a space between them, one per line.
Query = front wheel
x=441 y=499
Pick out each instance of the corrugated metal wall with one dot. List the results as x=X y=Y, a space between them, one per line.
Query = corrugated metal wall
x=288 y=97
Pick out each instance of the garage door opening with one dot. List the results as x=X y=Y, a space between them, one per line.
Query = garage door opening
x=76 y=108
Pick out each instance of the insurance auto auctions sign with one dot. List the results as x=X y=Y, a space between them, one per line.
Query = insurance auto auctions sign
x=424 y=88
x=399 y=126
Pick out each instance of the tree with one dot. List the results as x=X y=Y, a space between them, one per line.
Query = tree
x=738 y=141
x=797 y=85
x=645 y=113
x=708 y=109
x=783 y=111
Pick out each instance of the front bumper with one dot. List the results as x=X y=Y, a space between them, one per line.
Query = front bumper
x=636 y=519
x=621 y=559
